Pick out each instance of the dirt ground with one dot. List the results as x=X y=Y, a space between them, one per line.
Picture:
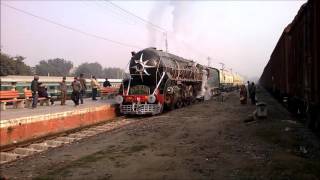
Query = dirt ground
x=210 y=140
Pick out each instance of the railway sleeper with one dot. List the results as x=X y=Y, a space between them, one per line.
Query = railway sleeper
x=40 y=146
x=89 y=132
x=54 y=143
x=77 y=135
x=7 y=156
x=99 y=129
x=66 y=139
x=25 y=151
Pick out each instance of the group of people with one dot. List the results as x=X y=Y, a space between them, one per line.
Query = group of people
x=244 y=93
x=78 y=85
x=79 y=88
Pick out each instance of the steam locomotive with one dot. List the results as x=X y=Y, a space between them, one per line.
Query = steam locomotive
x=159 y=80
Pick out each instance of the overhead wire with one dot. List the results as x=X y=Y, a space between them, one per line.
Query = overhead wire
x=138 y=17
x=71 y=28
x=121 y=16
x=160 y=29
x=156 y=27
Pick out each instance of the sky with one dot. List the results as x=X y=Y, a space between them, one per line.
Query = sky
x=240 y=34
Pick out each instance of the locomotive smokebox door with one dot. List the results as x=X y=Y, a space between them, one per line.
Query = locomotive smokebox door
x=262 y=111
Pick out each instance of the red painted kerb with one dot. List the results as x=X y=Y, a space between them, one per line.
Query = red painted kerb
x=28 y=128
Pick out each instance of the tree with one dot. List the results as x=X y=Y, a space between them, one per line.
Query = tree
x=113 y=73
x=54 y=67
x=90 y=69
x=13 y=65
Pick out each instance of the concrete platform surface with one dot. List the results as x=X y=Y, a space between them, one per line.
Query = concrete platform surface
x=12 y=113
x=20 y=125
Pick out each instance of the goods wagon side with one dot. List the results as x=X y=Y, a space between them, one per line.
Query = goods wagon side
x=293 y=70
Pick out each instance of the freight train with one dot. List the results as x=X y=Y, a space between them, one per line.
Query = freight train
x=160 y=80
x=293 y=71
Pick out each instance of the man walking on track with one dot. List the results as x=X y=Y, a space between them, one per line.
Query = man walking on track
x=253 y=93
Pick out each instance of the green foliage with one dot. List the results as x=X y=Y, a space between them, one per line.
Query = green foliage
x=13 y=65
x=95 y=69
x=54 y=67
x=113 y=73
x=90 y=69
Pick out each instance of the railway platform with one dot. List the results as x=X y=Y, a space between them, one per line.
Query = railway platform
x=23 y=125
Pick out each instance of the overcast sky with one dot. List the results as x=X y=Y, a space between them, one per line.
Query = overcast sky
x=241 y=34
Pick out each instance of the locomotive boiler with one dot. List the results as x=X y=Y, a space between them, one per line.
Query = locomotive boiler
x=159 y=80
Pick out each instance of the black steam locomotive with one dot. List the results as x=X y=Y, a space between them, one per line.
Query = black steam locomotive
x=159 y=80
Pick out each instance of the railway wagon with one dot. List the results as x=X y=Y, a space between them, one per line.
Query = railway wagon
x=51 y=82
x=226 y=80
x=237 y=80
x=159 y=80
x=292 y=73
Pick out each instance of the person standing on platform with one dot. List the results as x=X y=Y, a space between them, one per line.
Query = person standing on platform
x=34 y=90
x=63 y=89
x=76 y=87
x=106 y=83
x=253 y=93
x=95 y=85
x=83 y=88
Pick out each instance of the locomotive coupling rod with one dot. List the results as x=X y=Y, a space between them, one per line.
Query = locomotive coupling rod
x=163 y=73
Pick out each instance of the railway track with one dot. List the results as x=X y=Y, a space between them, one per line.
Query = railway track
x=42 y=145
x=38 y=146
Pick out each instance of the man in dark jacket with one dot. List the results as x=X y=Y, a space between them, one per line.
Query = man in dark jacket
x=106 y=83
x=43 y=92
x=34 y=90
x=83 y=88
x=76 y=87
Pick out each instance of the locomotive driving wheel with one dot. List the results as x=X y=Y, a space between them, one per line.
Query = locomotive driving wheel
x=169 y=95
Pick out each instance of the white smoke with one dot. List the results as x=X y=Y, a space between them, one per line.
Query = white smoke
x=177 y=17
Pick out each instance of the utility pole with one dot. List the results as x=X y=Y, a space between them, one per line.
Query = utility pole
x=209 y=61
x=166 y=40
x=222 y=66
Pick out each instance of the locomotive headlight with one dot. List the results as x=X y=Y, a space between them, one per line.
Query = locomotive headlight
x=152 y=99
x=170 y=90
x=119 y=99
